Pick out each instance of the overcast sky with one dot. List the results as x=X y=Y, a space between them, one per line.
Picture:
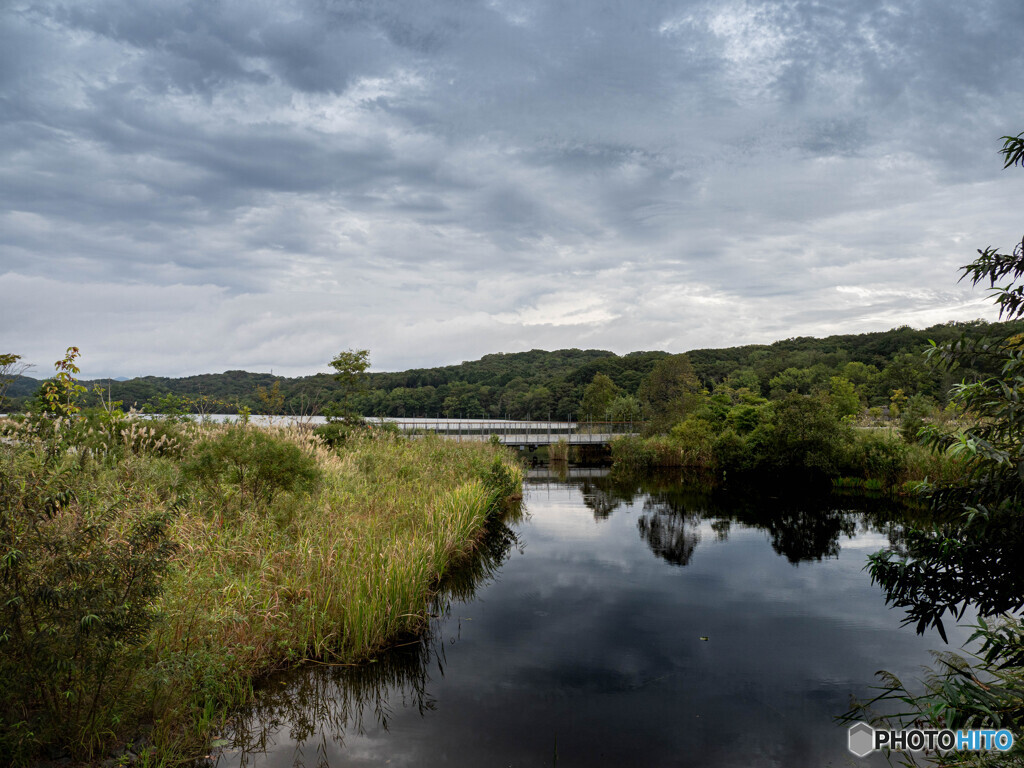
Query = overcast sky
x=191 y=187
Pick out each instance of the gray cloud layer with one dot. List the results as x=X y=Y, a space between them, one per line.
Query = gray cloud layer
x=194 y=186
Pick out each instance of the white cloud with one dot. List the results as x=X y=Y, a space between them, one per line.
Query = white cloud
x=207 y=187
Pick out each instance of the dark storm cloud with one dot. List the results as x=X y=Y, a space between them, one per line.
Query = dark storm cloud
x=432 y=178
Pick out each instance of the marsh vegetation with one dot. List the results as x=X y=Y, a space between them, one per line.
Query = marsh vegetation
x=151 y=571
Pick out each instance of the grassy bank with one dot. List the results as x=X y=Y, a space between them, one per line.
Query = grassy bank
x=149 y=577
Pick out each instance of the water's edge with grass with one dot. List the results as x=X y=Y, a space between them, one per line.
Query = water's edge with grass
x=152 y=573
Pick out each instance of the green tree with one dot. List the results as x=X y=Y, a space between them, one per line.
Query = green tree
x=807 y=434
x=350 y=372
x=624 y=408
x=843 y=396
x=169 y=407
x=975 y=555
x=969 y=566
x=791 y=380
x=271 y=399
x=597 y=397
x=79 y=582
x=669 y=392
x=744 y=378
x=11 y=368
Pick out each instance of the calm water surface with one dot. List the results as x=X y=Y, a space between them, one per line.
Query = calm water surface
x=620 y=624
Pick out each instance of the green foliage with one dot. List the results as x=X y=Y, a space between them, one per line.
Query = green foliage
x=503 y=479
x=806 y=432
x=879 y=455
x=559 y=451
x=695 y=438
x=350 y=373
x=744 y=419
x=11 y=368
x=271 y=399
x=539 y=383
x=912 y=419
x=843 y=396
x=598 y=397
x=800 y=380
x=59 y=396
x=744 y=378
x=973 y=555
x=178 y=408
x=732 y=432
x=624 y=408
x=1013 y=150
x=669 y=392
x=78 y=581
x=100 y=636
x=730 y=452
x=337 y=432
x=254 y=463
x=632 y=453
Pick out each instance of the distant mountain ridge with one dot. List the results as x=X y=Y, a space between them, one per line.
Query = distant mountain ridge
x=539 y=383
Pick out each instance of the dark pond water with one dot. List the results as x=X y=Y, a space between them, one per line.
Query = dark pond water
x=621 y=624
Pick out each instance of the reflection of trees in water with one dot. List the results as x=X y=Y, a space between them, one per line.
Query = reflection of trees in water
x=332 y=700
x=953 y=565
x=802 y=536
x=721 y=529
x=670 y=535
x=602 y=497
x=801 y=528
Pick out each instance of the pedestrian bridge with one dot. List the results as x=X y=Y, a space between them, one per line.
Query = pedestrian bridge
x=531 y=434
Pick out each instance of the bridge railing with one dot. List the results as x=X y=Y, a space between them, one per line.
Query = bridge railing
x=508 y=431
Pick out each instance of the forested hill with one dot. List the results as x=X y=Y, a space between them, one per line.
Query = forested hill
x=538 y=383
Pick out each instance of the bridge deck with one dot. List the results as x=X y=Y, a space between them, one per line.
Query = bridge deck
x=523 y=433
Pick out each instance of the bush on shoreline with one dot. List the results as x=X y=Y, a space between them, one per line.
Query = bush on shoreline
x=797 y=434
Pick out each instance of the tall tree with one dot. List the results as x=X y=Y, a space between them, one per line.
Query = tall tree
x=350 y=372
x=598 y=397
x=669 y=392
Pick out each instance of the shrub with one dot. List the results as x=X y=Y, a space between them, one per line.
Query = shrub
x=878 y=454
x=807 y=434
x=253 y=461
x=745 y=418
x=632 y=452
x=730 y=451
x=337 y=432
x=78 y=581
x=917 y=409
x=694 y=437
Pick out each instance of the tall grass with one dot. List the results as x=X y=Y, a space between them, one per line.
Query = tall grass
x=637 y=453
x=559 y=451
x=335 y=572
x=869 y=459
x=335 y=576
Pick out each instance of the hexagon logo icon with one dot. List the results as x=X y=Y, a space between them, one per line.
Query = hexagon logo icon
x=862 y=739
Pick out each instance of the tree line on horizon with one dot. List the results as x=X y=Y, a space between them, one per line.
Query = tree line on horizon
x=567 y=383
